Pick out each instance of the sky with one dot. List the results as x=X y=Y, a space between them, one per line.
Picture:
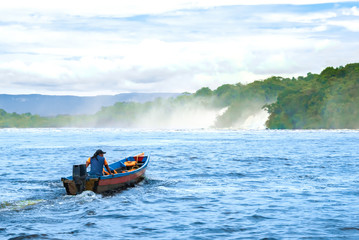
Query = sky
x=108 y=47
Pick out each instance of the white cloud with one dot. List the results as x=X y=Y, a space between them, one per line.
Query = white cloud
x=92 y=49
x=136 y=7
x=300 y=18
x=354 y=11
x=351 y=25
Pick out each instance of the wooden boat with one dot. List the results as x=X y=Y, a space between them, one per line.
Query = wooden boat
x=127 y=172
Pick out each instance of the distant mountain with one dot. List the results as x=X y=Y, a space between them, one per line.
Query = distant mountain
x=49 y=105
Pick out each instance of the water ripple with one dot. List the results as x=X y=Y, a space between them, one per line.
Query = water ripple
x=199 y=185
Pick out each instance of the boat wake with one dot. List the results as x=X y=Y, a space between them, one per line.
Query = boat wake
x=19 y=205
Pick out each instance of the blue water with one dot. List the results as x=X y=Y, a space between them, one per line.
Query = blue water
x=199 y=185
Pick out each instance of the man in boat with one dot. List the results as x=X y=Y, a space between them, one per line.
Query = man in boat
x=97 y=162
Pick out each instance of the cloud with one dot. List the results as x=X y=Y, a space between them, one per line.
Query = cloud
x=350 y=25
x=138 y=7
x=170 y=46
x=354 y=11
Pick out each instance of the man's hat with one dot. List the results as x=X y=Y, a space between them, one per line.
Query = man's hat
x=99 y=151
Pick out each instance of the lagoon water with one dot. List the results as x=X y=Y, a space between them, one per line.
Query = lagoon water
x=200 y=185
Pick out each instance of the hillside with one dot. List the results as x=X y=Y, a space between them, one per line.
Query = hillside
x=327 y=100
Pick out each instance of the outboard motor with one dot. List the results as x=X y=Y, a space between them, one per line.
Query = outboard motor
x=79 y=175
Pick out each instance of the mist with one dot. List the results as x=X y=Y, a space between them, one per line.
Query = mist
x=256 y=121
x=185 y=112
x=189 y=116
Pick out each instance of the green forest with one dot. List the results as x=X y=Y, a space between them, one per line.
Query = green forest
x=329 y=100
